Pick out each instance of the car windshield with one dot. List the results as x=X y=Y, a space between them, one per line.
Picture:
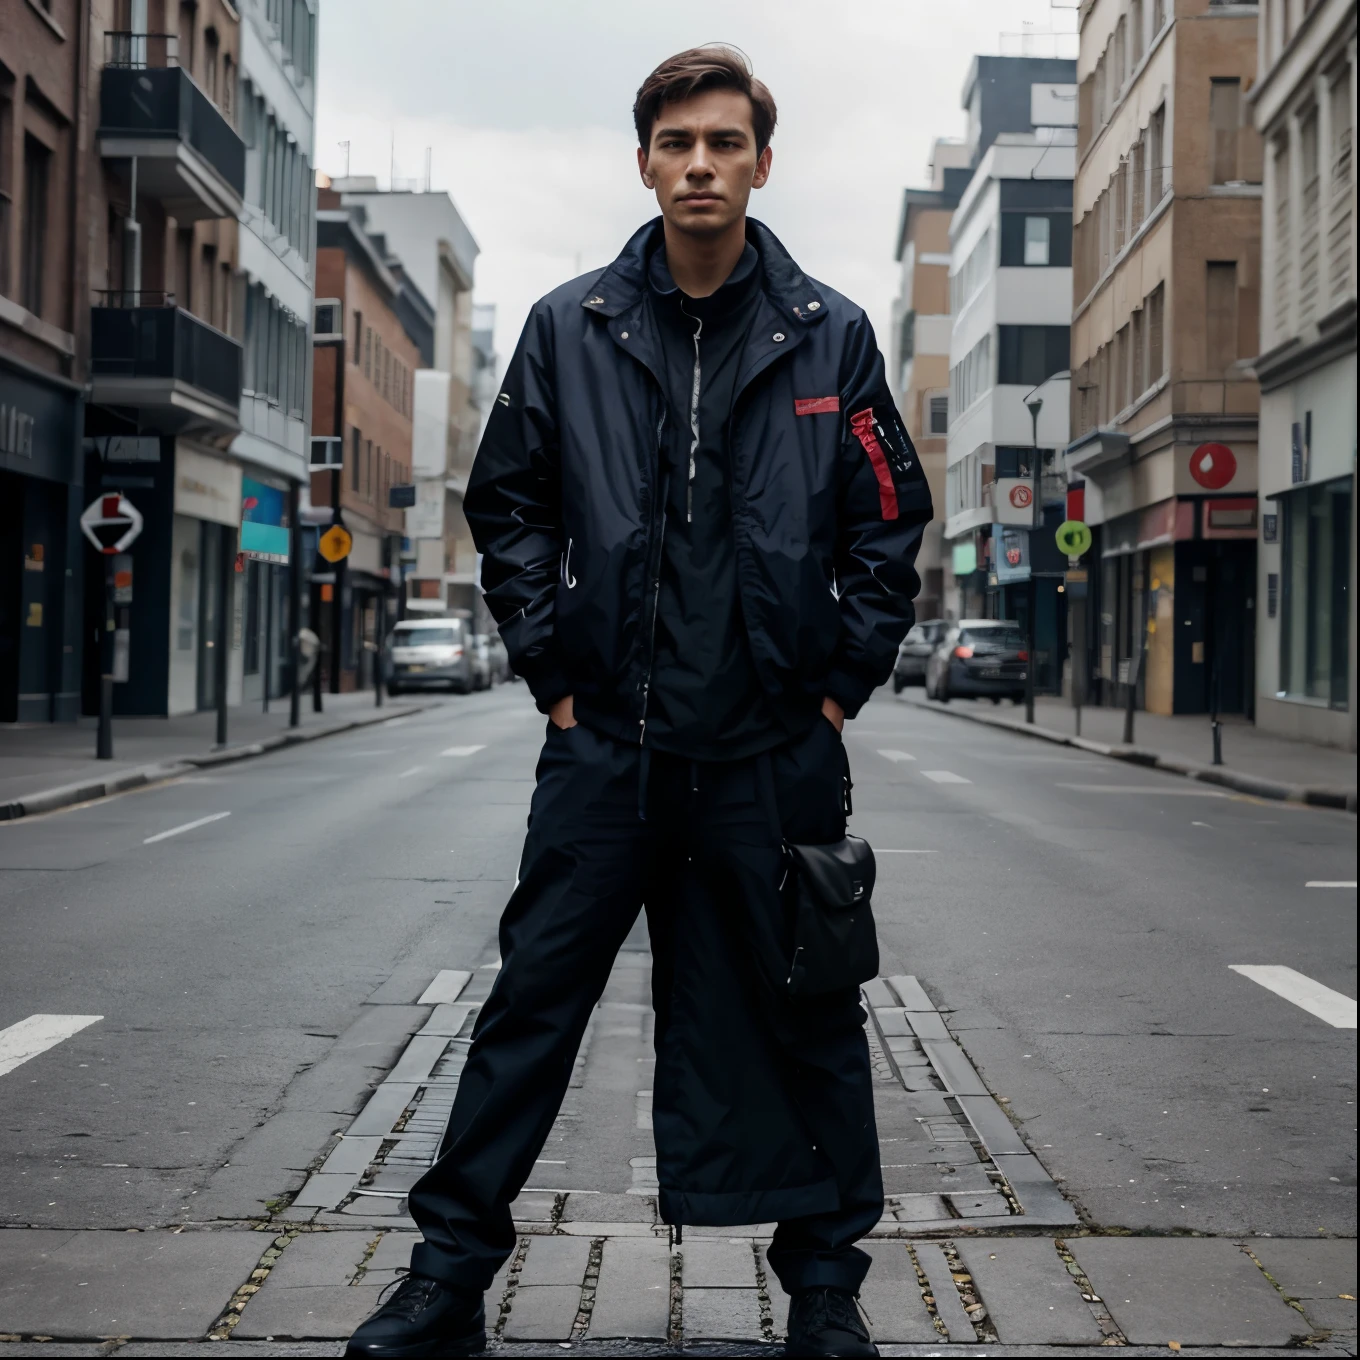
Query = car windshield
x=445 y=636
x=1010 y=639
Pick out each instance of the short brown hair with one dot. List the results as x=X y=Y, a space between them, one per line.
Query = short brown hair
x=703 y=68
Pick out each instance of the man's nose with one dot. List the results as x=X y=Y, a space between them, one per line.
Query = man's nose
x=700 y=166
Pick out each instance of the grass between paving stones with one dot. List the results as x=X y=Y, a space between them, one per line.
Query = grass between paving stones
x=1109 y=1329
x=582 y=1324
x=366 y=1258
x=222 y=1329
x=511 y=1285
x=677 y=1323
x=969 y=1296
x=927 y=1294
x=763 y=1300
x=1313 y=1338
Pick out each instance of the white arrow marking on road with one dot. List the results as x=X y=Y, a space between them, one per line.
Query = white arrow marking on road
x=896 y=756
x=1337 y=1009
x=463 y=750
x=188 y=826
x=36 y=1035
x=945 y=777
x=1323 y=883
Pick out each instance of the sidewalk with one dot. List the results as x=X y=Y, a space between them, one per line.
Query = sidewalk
x=44 y=765
x=1253 y=761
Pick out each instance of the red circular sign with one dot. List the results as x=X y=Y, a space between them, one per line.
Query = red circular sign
x=1213 y=466
x=1021 y=496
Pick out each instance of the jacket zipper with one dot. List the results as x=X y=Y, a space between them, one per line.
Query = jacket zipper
x=656 y=582
x=693 y=416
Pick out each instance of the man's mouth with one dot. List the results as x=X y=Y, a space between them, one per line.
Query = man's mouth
x=700 y=198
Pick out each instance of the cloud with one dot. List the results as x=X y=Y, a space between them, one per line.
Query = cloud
x=526 y=106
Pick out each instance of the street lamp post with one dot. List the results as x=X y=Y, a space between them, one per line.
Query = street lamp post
x=1036 y=517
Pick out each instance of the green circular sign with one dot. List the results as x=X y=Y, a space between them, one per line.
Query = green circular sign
x=1074 y=537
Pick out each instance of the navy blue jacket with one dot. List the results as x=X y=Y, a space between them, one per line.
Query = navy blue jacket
x=565 y=499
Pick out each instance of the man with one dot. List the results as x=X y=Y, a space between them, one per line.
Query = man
x=699 y=512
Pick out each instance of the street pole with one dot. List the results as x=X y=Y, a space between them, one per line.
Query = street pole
x=338 y=599
x=104 y=738
x=220 y=667
x=267 y=575
x=294 y=606
x=379 y=628
x=1036 y=519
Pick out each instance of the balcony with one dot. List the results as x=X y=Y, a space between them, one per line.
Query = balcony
x=189 y=158
x=176 y=373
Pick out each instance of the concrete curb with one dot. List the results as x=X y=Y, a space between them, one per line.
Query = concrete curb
x=1312 y=795
x=87 y=790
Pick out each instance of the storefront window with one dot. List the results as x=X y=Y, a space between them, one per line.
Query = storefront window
x=1315 y=582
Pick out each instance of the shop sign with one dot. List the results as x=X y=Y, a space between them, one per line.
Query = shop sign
x=264 y=522
x=965 y=558
x=1013 y=501
x=207 y=488
x=16 y=431
x=1213 y=466
x=1010 y=553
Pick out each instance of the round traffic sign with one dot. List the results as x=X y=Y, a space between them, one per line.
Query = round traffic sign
x=335 y=543
x=1213 y=466
x=1074 y=537
x=1021 y=496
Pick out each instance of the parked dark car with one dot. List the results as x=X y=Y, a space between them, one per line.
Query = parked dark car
x=915 y=651
x=979 y=658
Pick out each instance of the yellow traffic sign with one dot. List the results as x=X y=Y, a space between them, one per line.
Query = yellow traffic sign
x=335 y=543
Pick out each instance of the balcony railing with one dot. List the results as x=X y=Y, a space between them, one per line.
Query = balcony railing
x=148 y=102
x=137 y=51
x=134 y=297
x=165 y=343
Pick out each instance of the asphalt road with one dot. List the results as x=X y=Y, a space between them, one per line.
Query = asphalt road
x=1077 y=919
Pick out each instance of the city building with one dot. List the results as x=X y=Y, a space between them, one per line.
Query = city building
x=44 y=340
x=1166 y=259
x=919 y=344
x=365 y=365
x=276 y=100
x=425 y=231
x=1303 y=102
x=1010 y=281
x=166 y=191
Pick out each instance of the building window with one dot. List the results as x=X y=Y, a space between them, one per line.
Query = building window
x=356 y=448
x=1309 y=235
x=1036 y=240
x=1220 y=306
x=1030 y=354
x=1225 y=119
x=6 y=186
x=37 y=182
x=1161 y=181
x=972 y=375
x=1339 y=210
x=906 y=338
x=1155 y=303
x=1315 y=617
x=939 y=415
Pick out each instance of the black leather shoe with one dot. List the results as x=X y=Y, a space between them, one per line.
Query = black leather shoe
x=826 y=1322
x=423 y=1317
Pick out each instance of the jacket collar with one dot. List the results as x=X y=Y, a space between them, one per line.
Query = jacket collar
x=788 y=290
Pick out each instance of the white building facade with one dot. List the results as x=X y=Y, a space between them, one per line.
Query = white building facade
x=277 y=100
x=1304 y=104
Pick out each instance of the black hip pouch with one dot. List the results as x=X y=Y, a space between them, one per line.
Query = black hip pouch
x=835 y=945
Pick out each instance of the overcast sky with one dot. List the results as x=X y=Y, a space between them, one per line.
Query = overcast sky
x=526 y=105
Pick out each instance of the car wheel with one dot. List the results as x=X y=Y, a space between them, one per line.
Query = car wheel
x=942 y=689
x=996 y=700
x=394 y=690
x=898 y=684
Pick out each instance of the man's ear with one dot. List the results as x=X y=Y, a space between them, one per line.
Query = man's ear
x=648 y=178
x=762 y=168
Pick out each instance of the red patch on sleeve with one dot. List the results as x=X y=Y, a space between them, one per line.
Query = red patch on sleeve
x=862 y=426
x=815 y=406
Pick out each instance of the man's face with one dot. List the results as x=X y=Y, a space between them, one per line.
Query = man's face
x=702 y=161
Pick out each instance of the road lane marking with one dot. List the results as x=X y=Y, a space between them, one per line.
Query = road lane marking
x=945 y=777
x=1336 y=1008
x=896 y=756
x=906 y=852
x=463 y=750
x=188 y=826
x=406 y=774
x=369 y=751
x=37 y=1034
x=1325 y=883
x=1144 y=788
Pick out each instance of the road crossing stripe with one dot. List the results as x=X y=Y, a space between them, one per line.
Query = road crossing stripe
x=188 y=826
x=463 y=750
x=1337 y=1009
x=1324 y=883
x=896 y=756
x=945 y=777
x=37 y=1034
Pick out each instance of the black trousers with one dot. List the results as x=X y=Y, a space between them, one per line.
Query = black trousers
x=612 y=828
